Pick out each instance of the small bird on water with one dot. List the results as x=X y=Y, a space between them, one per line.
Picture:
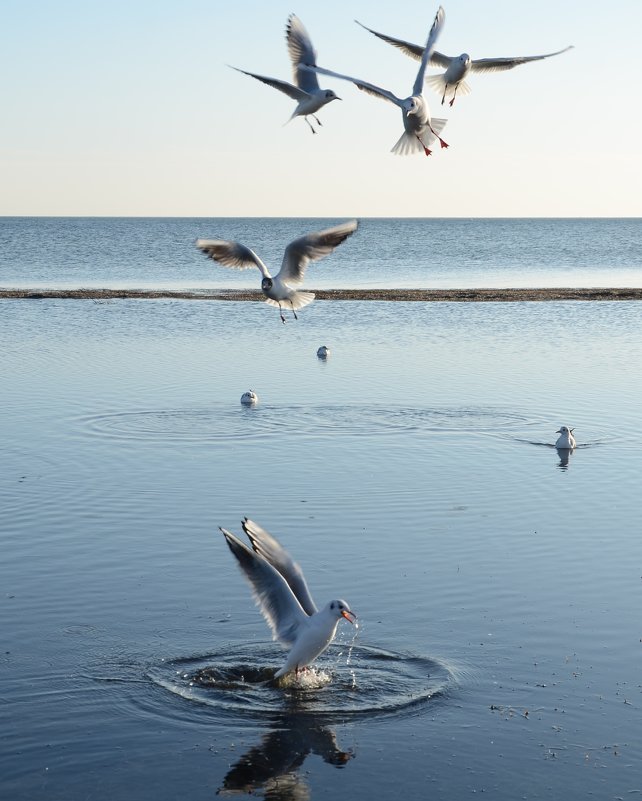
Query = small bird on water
x=281 y=593
x=566 y=440
x=281 y=288
x=249 y=398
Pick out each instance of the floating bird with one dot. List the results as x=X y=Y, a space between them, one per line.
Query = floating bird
x=420 y=129
x=249 y=398
x=310 y=98
x=458 y=67
x=323 y=352
x=566 y=440
x=282 y=288
x=282 y=595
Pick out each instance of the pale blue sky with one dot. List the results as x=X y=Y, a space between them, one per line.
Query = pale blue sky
x=128 y=108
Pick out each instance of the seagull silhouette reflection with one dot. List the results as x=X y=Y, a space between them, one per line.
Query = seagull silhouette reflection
x=272 y=766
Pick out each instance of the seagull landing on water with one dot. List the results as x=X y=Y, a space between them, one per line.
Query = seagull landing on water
x=282 y=595
x=305 y=90
x=281 y=288
x=458 y=67
x=566 y=440
x=420 y=128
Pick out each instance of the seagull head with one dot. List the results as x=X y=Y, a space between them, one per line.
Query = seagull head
x=341 y=609
x=266 y=284
x=464 y=59
x=564 y=430
x=330 y=95
x=411 y=106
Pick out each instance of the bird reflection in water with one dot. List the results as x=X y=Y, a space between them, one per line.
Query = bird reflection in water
x=272 y=767
x=564 y=455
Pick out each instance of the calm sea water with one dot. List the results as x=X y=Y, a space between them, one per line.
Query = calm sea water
x=435 y=253
x=498 y=584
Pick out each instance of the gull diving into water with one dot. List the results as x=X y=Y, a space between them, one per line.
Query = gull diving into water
x=566 y=440
x=420 y=129
x=282 y=595
x=457 y=67
x=281 y=288
x=305 y=90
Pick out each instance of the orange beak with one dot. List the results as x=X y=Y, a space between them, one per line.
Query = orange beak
x=348 y=616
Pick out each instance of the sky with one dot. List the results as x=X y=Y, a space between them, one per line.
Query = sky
x=130 y=109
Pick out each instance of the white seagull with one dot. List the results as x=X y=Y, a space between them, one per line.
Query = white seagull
x=305 y=90
x=458 y=67
x=249 y=398
x=282 y=595
x=281 y=288
x=420 y=129
x=566 y=441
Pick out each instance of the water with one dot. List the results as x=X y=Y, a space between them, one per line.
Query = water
x=497 y=584
x=433 y=253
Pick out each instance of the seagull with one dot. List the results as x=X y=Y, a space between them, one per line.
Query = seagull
x=249 y=398
x=420 y=129
x=282 y=288
x=305 y=90
x=458 y=67
x=566 y=440
x=323 y=352
x=281 y=593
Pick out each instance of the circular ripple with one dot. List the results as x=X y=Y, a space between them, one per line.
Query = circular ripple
x=218 y=424
x=359 y=681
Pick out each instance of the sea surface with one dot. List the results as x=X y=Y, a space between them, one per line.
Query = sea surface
x=497 y=581
x=385 y=253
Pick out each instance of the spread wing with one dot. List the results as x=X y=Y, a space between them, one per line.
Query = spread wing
x=301 y=51
x=231 y=254
x=271 y=592
x=312 y=247
x=370 y=88
x=272 y=551
x=412 y=50
x=501 y=64
x=438 y=24
x=283 y=86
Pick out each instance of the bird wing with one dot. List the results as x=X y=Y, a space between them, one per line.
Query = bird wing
x=433 y=35
x=272 y=551
x=412 y=50
x=231 y=254
x=370 y=88
x=271 y=592
x=283 y=86
x=312 y=247
x=301 y=51
x=501 y=64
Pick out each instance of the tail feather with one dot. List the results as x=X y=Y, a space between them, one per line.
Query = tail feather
x=407 y=144
x=297 y=301
x=438 y=83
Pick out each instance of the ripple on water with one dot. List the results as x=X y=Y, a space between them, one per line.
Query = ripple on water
x=355 y=681
x=232 y=423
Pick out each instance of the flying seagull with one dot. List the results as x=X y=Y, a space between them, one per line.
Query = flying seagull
x=420 y=129
x=457 y=67
x=305 y=90
x=282 y=288
x=282 y=595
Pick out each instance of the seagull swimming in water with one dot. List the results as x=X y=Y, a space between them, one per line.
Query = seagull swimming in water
x=281 y=593
x=420 y=128
x=305 y=90
x=281 y=288
x=458 y=67
x=566 y=441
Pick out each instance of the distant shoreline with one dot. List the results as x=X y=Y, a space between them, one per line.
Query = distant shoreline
x=404 y=295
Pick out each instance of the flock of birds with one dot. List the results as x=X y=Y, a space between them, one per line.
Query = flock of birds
x=420 y=129
x=276 y=580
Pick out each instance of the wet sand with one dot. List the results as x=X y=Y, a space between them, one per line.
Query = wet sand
x=509 y=295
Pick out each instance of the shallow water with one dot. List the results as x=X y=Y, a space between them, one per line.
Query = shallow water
x=412 y=474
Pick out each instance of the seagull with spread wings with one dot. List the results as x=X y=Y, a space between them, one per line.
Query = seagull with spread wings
x=281 y=593
x=283 y=287
x=457 y=67
x=420 y=128
x=305 y=90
